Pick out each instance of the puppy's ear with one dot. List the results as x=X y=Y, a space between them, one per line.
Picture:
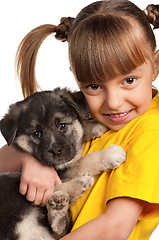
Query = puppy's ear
x=78 y=101
x=8 y=130
x=9 y=124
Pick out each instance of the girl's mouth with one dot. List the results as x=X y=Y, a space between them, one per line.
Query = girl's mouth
x=119 y=117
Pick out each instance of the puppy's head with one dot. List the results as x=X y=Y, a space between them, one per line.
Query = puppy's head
x=47 y=125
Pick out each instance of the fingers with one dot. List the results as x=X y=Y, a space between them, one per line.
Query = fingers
x=38 y=196
x=29 y=191
x=34 y=195
x=46 y=196
x=31 y=194
x=37 y=181
x=23 y=188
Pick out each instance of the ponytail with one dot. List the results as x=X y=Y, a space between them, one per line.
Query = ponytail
x=152 y=12
x=28 y=49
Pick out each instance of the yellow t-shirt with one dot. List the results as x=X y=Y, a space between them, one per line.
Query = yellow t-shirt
x=137 y=178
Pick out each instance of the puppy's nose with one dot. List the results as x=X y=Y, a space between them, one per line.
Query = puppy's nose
x=56 y=152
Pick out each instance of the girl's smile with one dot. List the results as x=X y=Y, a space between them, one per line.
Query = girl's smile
x=116 y=102
x=119 y=117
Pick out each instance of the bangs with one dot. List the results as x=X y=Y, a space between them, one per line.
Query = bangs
x=103 y=47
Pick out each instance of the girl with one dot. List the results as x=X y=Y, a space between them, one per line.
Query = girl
x=112 y=52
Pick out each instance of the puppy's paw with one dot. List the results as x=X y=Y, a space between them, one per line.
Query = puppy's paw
x=58 y=200
x=86 y=182
x=98 y=130
x=81 y=184
x=115 y=155
x=57 y=207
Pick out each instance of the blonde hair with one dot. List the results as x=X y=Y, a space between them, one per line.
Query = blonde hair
x=105 y=39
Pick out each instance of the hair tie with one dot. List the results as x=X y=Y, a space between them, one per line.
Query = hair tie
x=153 y=15
x=63 y=28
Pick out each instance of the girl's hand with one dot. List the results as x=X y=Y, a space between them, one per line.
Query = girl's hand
x=37 y=180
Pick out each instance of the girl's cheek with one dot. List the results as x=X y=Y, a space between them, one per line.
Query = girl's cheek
x=94 y=109
x=94 y=104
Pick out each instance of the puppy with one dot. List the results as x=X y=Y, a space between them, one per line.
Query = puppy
x=52 y=127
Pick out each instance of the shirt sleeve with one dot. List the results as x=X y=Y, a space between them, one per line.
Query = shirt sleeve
x=138 y=177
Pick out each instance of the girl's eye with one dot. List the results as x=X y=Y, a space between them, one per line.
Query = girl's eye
x=93 y=87
x=129 y=81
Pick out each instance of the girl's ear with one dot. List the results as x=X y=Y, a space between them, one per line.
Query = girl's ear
x=156 y=65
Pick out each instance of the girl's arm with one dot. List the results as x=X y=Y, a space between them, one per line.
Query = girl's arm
x=37 y=180
x=10 y=159
x=116 y=223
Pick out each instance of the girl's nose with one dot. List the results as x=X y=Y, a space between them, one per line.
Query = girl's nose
x=114 y=100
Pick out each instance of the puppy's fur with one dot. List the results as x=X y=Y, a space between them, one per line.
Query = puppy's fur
x=50 y=126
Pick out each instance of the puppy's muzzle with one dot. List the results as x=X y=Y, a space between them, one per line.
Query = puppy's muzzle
x=56 y=151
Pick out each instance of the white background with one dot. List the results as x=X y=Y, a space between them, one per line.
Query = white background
x=17 y=18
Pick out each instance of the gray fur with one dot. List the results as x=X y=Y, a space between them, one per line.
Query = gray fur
x=52 y=127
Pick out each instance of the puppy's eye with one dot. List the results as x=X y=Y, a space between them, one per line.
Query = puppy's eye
x=37 y=134
x=63 y=126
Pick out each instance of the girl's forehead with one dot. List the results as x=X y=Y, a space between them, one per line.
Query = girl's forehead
x=137 y=72
x=107 y=49
x=108 y=39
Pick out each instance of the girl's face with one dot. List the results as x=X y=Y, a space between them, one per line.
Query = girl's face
x=116 y=102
